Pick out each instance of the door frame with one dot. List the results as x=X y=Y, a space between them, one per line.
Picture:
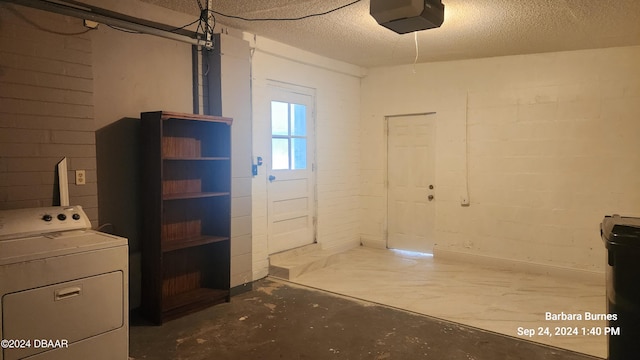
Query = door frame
x=386 y=167
x=279 y=86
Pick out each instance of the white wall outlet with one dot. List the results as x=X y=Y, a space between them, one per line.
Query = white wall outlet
x=464 y=200
x=81 y=177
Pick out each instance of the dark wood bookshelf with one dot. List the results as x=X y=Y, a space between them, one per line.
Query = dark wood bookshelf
x=194 y=195
x=186 y=203
x=177 y=244
x=196 y=158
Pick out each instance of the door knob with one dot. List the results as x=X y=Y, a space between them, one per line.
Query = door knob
x=430 y=197
x=271 y=177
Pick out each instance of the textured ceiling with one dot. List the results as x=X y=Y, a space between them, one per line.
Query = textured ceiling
x=472 y=28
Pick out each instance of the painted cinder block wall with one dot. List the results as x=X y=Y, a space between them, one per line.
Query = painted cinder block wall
x=46 y=109
x=552 y=148
x=235 y=64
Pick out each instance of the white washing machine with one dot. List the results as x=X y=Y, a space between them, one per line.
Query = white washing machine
x=63 y=287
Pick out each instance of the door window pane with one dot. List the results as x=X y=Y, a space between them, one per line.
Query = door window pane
x=279 y=118
x=298 y=153
x=298 y=120
x=288 y=136
x=279 y=154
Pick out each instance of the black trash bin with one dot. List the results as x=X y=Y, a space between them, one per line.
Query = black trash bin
x=621 y=237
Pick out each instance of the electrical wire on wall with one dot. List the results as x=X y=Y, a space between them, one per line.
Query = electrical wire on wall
x=40 y=27
x=237 y=17
x=173 y=30
x=93 y=16
x=466 y=201
x=207 y=20
x=415 y=38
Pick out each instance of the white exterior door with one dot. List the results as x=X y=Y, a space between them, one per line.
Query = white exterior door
x=411 y=183
x=290 y=178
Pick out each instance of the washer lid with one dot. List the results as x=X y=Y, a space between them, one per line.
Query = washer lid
x=56 y=244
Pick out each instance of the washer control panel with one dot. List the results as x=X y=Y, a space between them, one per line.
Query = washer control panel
x=21 y=223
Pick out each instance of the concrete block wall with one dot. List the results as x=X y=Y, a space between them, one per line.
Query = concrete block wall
x=46 y=108
x=337 y=102
x=552 y=148
x=236 y=103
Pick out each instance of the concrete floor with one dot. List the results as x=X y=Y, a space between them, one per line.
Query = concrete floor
x=482 y=296
x=279 y=320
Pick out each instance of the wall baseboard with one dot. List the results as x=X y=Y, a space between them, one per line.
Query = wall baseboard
x=518 y=265
x=376 y=244
x=241 y=289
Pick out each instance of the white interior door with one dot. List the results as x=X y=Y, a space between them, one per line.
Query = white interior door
x=411 y=183
x=290 y=180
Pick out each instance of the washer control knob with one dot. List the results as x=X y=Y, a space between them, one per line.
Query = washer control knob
x=62 y=217
x=47 y=217
x=76 y=216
